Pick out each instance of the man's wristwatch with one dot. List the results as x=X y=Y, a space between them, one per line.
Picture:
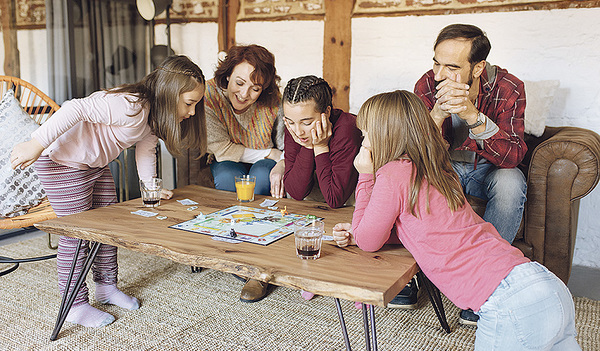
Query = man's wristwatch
x=480 y=120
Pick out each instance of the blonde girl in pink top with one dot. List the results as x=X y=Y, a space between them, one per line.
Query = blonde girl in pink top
x=407 y=190
x=72 y=150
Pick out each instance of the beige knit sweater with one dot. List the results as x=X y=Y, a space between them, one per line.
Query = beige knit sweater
x=229 y=134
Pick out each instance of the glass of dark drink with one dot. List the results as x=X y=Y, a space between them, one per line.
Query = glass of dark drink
x=308 y=236
x=150 y=191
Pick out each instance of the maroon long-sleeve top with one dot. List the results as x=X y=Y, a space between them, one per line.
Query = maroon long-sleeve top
x=334 y=170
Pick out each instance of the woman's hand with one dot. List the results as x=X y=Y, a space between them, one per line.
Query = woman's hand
x=321 y=133
x=275 y=154
x=342 y=234
x=26 y=153
x=363 y=161
x=165 y=194
x=276 y=179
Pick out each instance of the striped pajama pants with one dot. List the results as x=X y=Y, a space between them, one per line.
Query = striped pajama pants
x=70 y=191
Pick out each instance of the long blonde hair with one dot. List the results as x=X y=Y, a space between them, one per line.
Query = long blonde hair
x=399 y=126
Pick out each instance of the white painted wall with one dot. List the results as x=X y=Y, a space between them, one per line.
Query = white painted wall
x=297 y=45
x=198 y=41
x=393 y=52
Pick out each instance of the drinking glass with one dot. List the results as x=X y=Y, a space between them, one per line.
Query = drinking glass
x=244 y=187
x=308 y=236
x=150 y=191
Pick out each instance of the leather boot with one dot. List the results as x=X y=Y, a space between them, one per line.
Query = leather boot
x=253 y=291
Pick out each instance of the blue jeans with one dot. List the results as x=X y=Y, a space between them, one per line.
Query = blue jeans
x=225 y=172
x=504 y=189
x=531 y=309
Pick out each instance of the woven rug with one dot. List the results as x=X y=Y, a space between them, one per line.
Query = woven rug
x=201 y=311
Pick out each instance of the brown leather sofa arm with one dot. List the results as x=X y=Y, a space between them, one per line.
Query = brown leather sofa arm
x=564 y=166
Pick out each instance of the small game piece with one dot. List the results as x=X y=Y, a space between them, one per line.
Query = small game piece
x=201 y=216
x=192 y=208
x=187 y=202
x=284 y=211
x=311 y=216
x=161 y=217
x=232 y=233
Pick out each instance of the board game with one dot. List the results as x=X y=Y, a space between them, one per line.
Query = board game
x=254 y=225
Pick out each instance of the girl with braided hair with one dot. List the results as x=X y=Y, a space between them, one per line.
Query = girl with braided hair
x=320 y=143
x=72 y=150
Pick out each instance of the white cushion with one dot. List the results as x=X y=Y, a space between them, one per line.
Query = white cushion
x=19 y=189
x=540 y=96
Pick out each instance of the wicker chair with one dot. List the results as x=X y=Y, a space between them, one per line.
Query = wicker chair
x=40 y=107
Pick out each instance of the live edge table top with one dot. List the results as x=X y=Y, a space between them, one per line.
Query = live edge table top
x=348 y=273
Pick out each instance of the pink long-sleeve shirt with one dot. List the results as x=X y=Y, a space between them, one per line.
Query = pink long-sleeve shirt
x=92 y=131
x=463 y=255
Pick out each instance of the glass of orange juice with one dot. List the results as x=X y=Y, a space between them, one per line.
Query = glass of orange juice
x=244 y=187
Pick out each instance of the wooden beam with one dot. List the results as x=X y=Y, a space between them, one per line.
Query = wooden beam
x=228 y=13
x=12 y=63
x=337 y=46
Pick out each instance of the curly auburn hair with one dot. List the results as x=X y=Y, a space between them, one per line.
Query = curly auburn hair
x=264 y=73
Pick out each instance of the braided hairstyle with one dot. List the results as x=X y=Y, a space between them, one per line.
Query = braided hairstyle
x=306 y=88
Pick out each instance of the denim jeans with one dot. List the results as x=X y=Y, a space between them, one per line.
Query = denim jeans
x=531 y=309
x=504 y=189
x=225 y=172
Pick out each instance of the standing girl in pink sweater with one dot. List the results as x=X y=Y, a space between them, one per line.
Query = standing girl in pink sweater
x=408 y=189
x=74 y=147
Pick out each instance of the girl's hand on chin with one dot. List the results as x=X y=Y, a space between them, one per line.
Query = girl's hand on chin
x=363 y=161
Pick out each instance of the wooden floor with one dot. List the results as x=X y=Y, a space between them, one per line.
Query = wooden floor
x=584 y=281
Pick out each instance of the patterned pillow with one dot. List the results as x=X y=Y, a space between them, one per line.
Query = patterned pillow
x=19 y=189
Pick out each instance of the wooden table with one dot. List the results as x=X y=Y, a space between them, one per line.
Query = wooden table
x=348 y=273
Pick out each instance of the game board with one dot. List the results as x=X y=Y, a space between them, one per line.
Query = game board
x=254 y=225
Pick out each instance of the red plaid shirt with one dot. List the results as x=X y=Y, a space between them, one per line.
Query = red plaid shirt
x=502 y=99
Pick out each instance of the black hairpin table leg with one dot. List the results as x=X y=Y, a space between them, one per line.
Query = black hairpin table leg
x=343 y=324
x=366 y=326
x=436 y=300
x=69 y=294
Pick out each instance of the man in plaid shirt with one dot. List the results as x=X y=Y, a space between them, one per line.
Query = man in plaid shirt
x=479 y=108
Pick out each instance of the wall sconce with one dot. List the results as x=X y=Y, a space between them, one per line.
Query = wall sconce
x=152 y=8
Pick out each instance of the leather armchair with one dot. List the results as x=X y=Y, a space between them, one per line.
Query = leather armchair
x=561 y=167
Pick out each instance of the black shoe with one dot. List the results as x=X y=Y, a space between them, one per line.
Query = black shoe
x=407 y=298
x=468 y=317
